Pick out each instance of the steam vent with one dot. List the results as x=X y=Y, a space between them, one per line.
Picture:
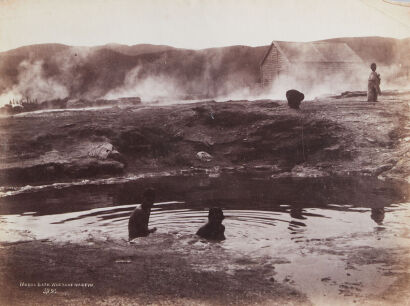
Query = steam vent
x=303 y=61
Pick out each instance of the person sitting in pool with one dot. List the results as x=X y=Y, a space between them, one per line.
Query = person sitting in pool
x=213 y=230
x=138 y=222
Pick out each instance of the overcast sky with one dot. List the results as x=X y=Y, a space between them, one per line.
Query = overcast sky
x=195 y=24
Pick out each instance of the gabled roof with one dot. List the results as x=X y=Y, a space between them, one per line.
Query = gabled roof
x=318 y=52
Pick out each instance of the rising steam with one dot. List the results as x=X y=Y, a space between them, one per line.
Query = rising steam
x=33 y=84
x=217 y=74
x=148 y=88
x=315 y=84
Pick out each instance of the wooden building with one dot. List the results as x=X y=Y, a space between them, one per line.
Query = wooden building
x=306 y=59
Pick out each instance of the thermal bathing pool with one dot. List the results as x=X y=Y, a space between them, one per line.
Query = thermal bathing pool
x=329 y=237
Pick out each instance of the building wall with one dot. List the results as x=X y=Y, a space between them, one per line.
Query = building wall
x=276 y=64
x=336 y=67
x=330 y=68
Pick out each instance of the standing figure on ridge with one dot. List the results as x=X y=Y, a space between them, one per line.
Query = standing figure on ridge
x=373 y=86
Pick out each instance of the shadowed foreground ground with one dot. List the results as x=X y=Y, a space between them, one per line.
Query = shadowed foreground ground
x=163 y=270
x=159 y=271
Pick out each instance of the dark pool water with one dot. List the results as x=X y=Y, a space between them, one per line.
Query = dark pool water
x=311 y=226
x=249 y=201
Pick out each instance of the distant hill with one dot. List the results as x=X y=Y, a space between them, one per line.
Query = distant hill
x=95 y=71
x=50 y=71
x=135 y=49
x=382 y=50
x=40 y=50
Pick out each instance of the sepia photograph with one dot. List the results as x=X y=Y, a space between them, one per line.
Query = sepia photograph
x=205 y=152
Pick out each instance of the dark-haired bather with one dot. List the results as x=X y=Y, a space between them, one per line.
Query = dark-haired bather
x=214 y=229
x=138 y=222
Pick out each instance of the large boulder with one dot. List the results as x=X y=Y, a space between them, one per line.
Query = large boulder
x=294 y=98
x=204 y=156
x=102 y=151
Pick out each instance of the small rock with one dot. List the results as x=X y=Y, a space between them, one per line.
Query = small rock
x=263 y=167
x=67 y=125
x=335 y=147
x=204 y=156
x=123 y=261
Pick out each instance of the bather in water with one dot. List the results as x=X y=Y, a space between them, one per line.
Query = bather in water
x=214 y=229
x=138 y=222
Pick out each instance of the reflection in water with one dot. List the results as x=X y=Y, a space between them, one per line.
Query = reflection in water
x=296 y=227
x=252 y=206
x=377 y=215
x=297 y=213
x=238 y=191
x=175 y=217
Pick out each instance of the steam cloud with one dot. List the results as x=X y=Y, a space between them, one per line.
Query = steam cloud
x=315 y=84
x=80 y=73
x=148 y=87
x=33 y=84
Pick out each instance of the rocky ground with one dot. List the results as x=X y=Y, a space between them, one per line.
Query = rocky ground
x=157 y=271
x=327 y=136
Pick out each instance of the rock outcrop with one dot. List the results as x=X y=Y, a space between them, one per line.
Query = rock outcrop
x=294 y=98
